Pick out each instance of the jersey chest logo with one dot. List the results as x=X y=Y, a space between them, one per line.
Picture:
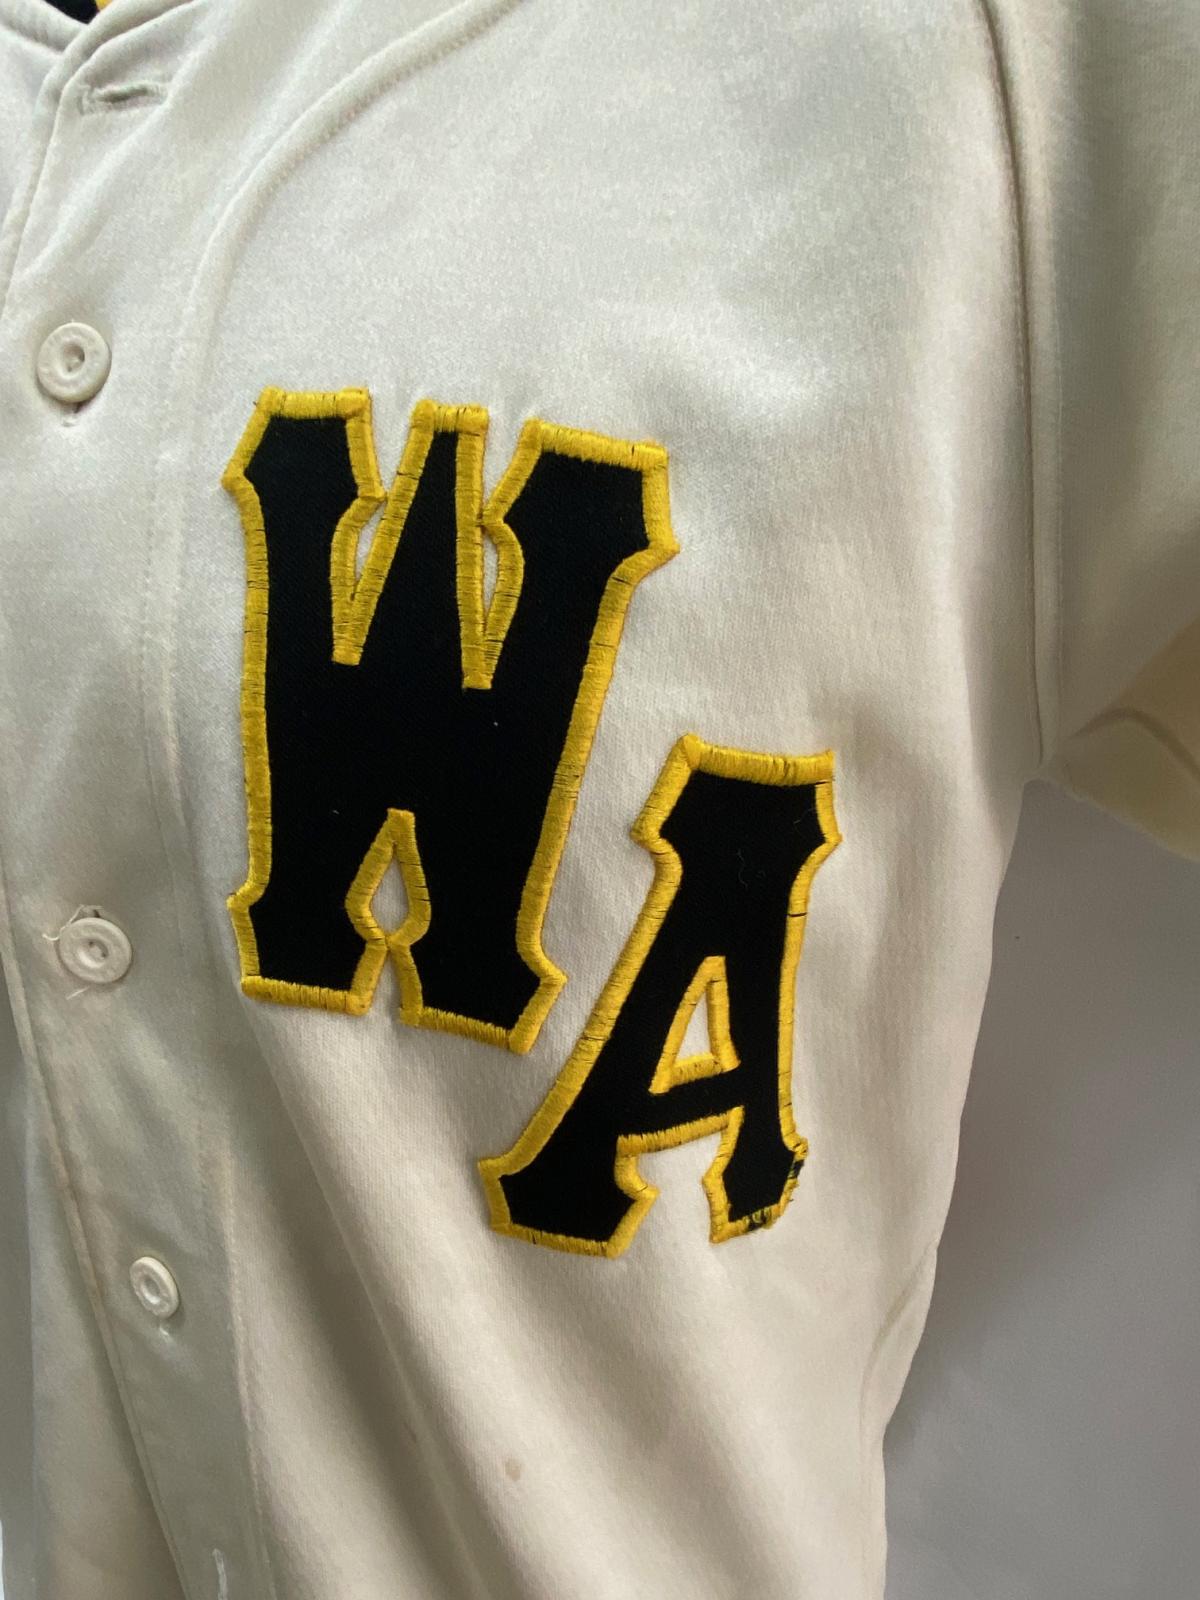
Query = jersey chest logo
x=399 y=713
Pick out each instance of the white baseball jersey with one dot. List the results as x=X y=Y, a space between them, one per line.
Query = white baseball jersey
x=542 y=540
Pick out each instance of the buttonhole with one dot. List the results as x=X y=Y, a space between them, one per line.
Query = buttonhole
x=121 y=96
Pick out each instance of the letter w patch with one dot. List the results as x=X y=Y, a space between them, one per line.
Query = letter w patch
x=397 y=713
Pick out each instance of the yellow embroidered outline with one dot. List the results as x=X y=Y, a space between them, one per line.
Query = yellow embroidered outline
x=690 y=754
x=711 y=984
x=482 y=632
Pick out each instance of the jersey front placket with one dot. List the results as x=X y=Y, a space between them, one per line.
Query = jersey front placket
x=104 y=955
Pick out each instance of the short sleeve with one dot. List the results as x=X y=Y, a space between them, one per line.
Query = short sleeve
x=1104 y=108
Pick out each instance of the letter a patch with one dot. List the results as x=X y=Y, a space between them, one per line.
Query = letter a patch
x=736 y=839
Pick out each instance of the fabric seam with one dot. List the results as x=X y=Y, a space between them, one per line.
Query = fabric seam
x=84 y=1256
x=48 y=27
x=17 y=220
x=1026 y=188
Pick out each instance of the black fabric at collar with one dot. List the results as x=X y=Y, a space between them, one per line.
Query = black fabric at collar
x=80 y=10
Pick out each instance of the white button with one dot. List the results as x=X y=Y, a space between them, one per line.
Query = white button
x=73 y=363
x=154 y=1287
x=94 y=949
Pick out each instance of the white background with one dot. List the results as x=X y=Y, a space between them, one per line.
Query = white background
x=1048 y=1441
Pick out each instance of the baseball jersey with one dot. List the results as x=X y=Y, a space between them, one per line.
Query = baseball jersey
x=541 y=542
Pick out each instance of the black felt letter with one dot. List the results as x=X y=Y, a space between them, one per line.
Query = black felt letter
x=396 y=715
x=736 y=838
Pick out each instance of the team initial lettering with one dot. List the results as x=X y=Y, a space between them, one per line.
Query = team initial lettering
x=736 y=837
x=395 y=714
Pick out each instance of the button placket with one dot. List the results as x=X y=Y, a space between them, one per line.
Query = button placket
x=154 y=1285
x=73 y=363
x=94 y=949
x=117 y=1036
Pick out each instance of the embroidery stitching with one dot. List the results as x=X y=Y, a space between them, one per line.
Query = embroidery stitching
x=710 y=985
x=482 y=634
x=691 y=754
